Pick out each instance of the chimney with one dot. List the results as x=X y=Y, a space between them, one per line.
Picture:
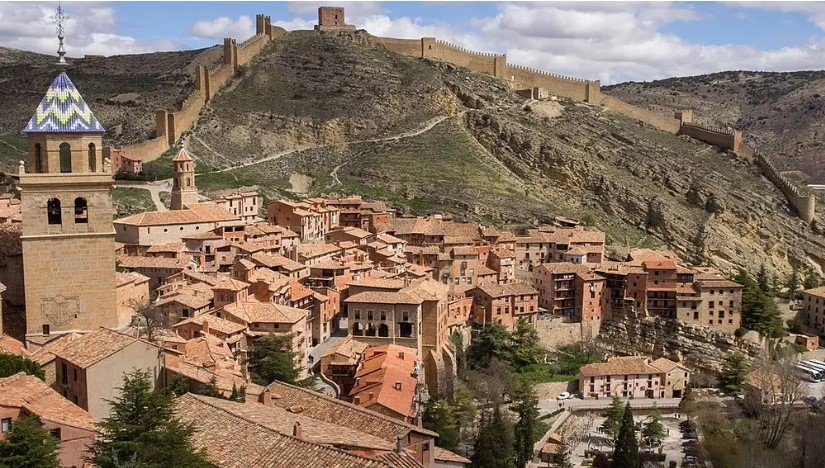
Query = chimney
x=205 y=326
x=371 y=395
x=398 y=385
x=398 y=449
x=401 y=355
x=357 y=399
x=296 y=430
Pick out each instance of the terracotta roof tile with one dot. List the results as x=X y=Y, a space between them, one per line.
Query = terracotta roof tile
x=29 y=392
x=94 y=347
x=264 y=312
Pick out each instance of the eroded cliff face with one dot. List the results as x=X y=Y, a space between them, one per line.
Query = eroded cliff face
x=697 y=347
x=708 y=205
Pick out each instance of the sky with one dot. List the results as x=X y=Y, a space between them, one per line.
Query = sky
x=608 y=41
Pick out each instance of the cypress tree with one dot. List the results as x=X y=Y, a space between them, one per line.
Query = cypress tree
x=143 y=430
x=29 y=445
x=528 y=414
x=762 y=280
x=793 y=283
x=733 y=374
x=613 y=414
x=626 y=451
x=493 y=447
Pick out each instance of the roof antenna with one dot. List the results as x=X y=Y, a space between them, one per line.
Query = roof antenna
x=59 y=18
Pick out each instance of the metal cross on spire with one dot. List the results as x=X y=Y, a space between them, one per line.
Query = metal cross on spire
x=59 y=18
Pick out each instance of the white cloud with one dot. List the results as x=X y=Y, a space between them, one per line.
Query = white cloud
x=221 y=27
x=295 y=24
x=353 y=9
x=91 y=29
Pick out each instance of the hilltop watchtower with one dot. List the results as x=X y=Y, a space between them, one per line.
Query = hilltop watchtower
x=332 y=19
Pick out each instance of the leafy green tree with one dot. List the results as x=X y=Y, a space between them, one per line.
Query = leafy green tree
x=570 y=358
x=563 y=460
x=493 y=341
x=272 y=358
x=626 y=450
x=493 y=447
x=143 y=430
x=439 y=416
x=613 y=416
x=464 y=406
x=11 y=364
x=793 y=283
x=526 y=408
x=734 y=371
x=29 y=445
x=652 y=429
x=762 y=280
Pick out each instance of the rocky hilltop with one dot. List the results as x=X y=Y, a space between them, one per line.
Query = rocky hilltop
x=783 y=114
x=336 y=114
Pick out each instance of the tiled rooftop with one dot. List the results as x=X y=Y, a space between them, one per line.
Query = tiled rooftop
x=27 y=391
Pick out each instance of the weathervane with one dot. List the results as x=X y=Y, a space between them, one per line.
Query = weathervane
x=59 y=18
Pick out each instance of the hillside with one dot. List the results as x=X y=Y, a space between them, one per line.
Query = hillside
x=781 y=113
x=323 y=114
x=124 y=91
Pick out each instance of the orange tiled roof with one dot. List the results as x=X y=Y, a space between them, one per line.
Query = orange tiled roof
x=123 y=279
x=448 y=456
x=318 y=406
x=45 y=354
x=9 y=345
x=215 y=323
x=382 y=297
x=10 y=243
x=345 y=351
x=94 y=347
x=379 y=283
x=509 y=289
x=264 y=312
x=232 y=440
x=231 y=285
x=819 y=292
x=630 y=365
x=29 y=392
x=193 y=213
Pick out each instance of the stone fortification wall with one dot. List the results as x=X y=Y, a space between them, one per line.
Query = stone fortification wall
x=573 y=88
x=170 y=125
x=697 y=347
x=492 y=64
x=408 y=47
x=723 y=138
x=662 y=122
x=804 y=203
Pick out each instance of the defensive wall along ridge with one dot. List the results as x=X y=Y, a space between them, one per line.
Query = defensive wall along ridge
x=170 y=125
x=520 y=77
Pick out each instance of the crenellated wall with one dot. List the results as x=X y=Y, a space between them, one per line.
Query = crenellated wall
x=723 y=138
x=803 y=203
x=662 y=122
x=170 y=125
x=574 y=88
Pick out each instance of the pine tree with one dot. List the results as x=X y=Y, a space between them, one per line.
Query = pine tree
x=179 y=385
x=652 y=429
x=687 y=404
x=626 y=451
x=525 y=339
x=528 y=413
x=793 y=283
x=762 y=280
x=493 y=447
x=143 y=430
x=272 y=359
x=29 y=445
x=613 y=414
x=238 y=394
x=211 y=389
x=734 y=371
x=759 y=310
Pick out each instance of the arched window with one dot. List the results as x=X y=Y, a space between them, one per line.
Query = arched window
x=92 y=158
x=53 y=211
x=357 y=329
x=383 y=330
x=370 y=330
x=65 y=157
x=38 y=158
x=81 y=213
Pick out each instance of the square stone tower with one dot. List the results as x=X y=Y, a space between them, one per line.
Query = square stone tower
x=332 y=19
x=67 y=233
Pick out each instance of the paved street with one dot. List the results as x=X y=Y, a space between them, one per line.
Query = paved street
x=549 y=405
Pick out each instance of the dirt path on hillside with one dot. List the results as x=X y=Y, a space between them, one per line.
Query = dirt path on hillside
x=426 y=128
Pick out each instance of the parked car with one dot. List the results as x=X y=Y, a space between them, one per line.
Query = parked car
x=809 y=400
x=564 y=396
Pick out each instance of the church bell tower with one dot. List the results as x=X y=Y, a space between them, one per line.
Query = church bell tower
x=66 y=197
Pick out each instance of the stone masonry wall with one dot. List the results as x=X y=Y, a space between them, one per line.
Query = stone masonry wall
x=727 y=139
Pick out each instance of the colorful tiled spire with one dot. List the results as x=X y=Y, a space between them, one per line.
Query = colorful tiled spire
x=63 y=110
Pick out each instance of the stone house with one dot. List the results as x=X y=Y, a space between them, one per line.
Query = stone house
x=22 y=395
x=163 y=227
x=310 y=220
x=231 y=333
x=505 y=304
x=340 y=362
x=244 y=205
x=131 y=288
x=633 y=377
x=90 y=369
x=813 y=309
x=386 y=381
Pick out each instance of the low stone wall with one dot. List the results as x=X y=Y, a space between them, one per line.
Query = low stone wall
x=697 y=347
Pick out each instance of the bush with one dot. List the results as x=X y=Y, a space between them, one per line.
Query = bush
x=796 y=326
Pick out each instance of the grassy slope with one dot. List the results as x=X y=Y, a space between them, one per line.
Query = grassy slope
x=129 y=201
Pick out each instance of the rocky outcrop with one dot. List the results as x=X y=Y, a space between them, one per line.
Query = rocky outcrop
x=697 y=347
